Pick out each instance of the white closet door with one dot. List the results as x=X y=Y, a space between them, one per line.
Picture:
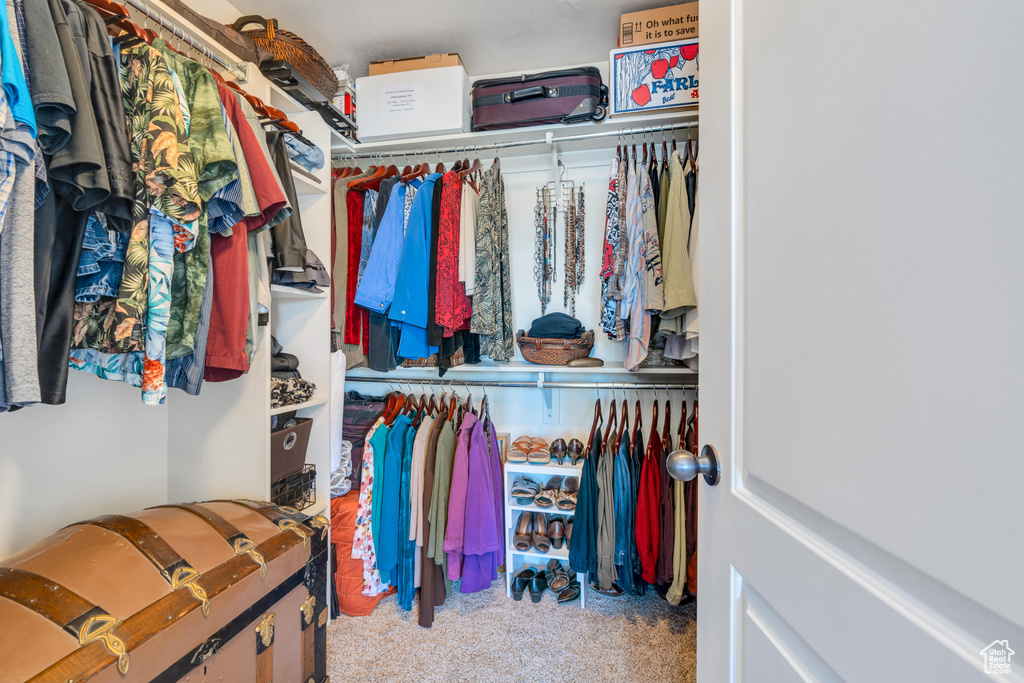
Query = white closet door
x=861 y=340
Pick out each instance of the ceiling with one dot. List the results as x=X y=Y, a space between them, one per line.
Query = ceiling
x=492 y=36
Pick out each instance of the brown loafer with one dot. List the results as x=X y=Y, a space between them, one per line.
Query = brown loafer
x=522 y=539
x=556 y=532
x=539 y=536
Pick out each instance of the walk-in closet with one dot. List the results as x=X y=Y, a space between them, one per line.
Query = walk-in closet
x=478 y=341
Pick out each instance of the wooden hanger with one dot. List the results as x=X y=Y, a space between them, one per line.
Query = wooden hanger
x=666 y=431
x=644 y=162
x=638 y=420
x=624 y=427
x=654 y=426
x=598 y=419
x=470 y=168
x=682 y=428
x=378 y=174
x=612 y=423
x=696 y=447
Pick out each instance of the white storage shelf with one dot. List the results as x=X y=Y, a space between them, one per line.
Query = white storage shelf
x=516 y=560
x=314 y=402
x=491 y=367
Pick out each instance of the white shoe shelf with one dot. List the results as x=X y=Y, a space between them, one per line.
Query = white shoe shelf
x=517 y=560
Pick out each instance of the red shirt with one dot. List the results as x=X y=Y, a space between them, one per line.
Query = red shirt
x=353 y=314
x=452 y=307
x=648 y=509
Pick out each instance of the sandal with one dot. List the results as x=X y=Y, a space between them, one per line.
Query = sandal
x=556 y=532
x=558 y=451
x=556 y=576
x=550 y=495
x=570 y=592
x=517 y=454
x=567 y=495
x=539 y=455
x=521 y=537
x=520 y=581
x=538 y=584
x=539 y=534
x=575 y=452
x=525 y=490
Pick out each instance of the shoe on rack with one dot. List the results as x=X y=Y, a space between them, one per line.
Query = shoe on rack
x=521 y=581
x=575 y=452
x=538 y=584
x=568 y=492
x=522 y=539
x=540 y=539
x=559 y=451
x=525 y=490
x=556 y=576
x=550 y=495
x=556 y=532
x=570 y=592
x=568 y=534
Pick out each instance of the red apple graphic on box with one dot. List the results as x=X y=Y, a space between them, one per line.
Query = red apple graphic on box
x=642 y=95
x=659 y=67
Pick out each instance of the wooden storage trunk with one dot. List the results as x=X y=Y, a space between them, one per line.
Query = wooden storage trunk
x=217 y=591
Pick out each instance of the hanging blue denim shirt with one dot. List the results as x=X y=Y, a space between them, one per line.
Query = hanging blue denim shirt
x=377 y=288
x=409 y=307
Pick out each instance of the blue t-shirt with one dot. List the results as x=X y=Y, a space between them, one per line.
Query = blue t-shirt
x=13 y=77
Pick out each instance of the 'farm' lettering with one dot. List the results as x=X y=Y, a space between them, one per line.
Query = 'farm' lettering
x=673 y=84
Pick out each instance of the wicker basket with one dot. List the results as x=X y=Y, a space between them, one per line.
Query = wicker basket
x=554 y=351
x=458 y=358
x=292 y=49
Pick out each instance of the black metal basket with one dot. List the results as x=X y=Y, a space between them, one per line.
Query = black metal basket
x=297 y=490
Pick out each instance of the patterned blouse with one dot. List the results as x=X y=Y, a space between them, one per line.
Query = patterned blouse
x=362 y=542
x=452 y=306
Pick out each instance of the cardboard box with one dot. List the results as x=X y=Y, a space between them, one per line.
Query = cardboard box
x=678 y=22
x=390 y=66
x=663 y=77
x=413 y=103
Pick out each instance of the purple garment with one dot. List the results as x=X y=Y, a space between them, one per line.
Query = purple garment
x=483 y=538
x=455 y=531
x=499 y=503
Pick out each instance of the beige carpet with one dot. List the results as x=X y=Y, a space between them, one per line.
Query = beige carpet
x=488 y=637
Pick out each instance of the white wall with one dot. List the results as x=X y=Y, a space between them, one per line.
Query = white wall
x=103 y=451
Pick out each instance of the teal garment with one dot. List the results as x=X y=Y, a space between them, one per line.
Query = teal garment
x=387 y=546
x=406 y=548
x=379 y=443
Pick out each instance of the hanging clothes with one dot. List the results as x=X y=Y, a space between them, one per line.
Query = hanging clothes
x=606 y=528
x=666 y=547
x=611 y=323
x=583 y=547
x=648 y=510
x=363 y=547
x=483 y=536
x=492 y=294
x=634 y=301
x=625 y=515
x=452 y=306
x=679 y=292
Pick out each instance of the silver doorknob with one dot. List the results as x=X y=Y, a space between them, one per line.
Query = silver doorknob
x=684 y=465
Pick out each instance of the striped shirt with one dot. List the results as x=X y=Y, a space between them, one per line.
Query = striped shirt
x=634 y=302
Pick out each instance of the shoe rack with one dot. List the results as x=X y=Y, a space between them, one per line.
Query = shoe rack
x=515 y=560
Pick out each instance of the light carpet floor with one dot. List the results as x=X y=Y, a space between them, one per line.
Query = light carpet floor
x=488 y=637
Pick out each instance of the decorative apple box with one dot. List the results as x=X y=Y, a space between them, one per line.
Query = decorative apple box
x=660 y=77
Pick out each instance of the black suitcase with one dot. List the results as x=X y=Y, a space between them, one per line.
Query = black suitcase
x=567 y=96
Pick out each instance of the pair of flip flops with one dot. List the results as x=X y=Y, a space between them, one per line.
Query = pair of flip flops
x=559 y=491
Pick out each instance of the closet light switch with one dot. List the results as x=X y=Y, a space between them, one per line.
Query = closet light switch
x=550 y=406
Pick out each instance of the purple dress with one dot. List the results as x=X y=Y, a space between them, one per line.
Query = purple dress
x=482 y=550
x=456 y=528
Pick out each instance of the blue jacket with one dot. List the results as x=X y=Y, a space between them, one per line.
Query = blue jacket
x=409 y=307
x=377 y=288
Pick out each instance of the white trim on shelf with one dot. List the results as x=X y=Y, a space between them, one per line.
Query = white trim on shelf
x=286 y=292
x=306 y=182
x=311 y=403
x=547 y=511
x=519 y=366
x=561 y=554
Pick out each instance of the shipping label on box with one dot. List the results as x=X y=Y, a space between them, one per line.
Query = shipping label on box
x=676 y=22
x=655 y=78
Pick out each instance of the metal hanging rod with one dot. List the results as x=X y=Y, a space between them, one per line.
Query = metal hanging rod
x=621 y=132
x=238 y=69
x=539 y=384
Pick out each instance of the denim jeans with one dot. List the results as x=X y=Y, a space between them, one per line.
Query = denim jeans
x=101 y=263
x=625 y=516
